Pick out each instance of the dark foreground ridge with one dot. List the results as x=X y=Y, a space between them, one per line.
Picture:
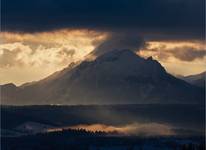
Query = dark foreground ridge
x=62 y=141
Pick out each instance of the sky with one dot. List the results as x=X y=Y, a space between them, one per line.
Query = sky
x=39 y=37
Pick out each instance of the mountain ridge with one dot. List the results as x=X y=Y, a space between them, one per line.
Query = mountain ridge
x=196 y=79
x=116 y=77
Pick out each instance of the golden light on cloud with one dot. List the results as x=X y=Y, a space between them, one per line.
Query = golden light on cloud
x=64 y=36
x=26 y=57
x=178 y=57
x=36 y=55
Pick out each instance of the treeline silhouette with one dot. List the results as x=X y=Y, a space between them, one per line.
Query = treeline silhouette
x=80 y=139
x=79 y=132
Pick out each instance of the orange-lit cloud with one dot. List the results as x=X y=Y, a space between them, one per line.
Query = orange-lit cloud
x=182 y=57
x=36 y=55
x=27 y=57
x=57 y=47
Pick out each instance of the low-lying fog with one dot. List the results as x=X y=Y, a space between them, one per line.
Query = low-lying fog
x=137 y=129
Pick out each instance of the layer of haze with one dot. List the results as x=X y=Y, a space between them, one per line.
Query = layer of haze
x=149 y=129
x=26 y=57
x=137 y=129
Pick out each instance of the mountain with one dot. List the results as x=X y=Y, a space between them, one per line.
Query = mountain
x=116 y=77
x=197 y=79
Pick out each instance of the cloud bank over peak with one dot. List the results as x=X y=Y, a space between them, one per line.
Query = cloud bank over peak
x=51 y=34
x=117 y=41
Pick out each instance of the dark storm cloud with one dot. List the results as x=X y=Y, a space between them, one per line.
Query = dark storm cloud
x=175 y=18
x=125 y=40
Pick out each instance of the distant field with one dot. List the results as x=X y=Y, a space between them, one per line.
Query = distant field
x=182 y=119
